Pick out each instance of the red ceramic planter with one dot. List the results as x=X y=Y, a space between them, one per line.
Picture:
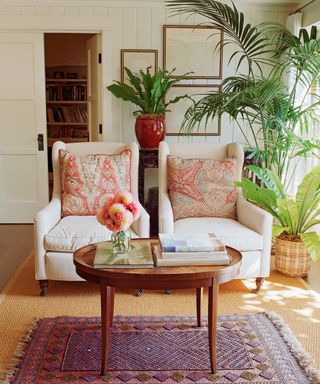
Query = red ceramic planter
x=150 y=130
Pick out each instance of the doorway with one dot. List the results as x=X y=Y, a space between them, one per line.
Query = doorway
x=72 y=89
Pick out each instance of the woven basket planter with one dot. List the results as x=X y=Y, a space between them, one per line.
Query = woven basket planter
x=292 y=258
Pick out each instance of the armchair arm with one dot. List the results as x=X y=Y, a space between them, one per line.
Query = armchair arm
x=259 y=221
x=166 y=222
x=46 y=219
x=142 y=225
x=254 y=217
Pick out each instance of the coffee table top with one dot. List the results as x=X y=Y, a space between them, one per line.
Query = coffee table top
x=157 y=277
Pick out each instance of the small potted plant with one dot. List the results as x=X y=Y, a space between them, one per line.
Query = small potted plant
x=295 y=244
x=148 y=92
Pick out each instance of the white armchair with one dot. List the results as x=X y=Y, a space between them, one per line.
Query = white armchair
x=250 y=232
x=57 y=237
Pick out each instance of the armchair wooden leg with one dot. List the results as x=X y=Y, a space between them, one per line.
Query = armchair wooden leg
x=43 y=287
x=139 y=292
x=259 y=282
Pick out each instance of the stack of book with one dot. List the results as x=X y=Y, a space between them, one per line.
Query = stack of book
x=138 y=256
x=187 y=249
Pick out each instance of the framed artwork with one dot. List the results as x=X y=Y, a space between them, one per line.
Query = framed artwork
x=137 y=59
x=175 y=117
x=193 y=48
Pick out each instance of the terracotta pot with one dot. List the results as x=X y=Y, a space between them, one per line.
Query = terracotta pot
x=150 y=130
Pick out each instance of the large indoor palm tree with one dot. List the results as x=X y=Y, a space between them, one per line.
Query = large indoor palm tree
x=270 y=97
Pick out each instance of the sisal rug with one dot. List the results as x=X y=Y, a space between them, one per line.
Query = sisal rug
x=257 y=348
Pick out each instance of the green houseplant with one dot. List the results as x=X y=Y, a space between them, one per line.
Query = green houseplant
x=266 y=97
x=148 y=93
x=294 y=217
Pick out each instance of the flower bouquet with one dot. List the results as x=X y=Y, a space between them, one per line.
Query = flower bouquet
x=117 y=214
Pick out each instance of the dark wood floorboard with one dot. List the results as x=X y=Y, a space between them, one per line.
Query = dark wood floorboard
x=16 y=243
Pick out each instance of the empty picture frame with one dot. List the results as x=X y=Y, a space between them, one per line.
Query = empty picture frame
x=193 y=48
x=137 y=59
x=175 y=117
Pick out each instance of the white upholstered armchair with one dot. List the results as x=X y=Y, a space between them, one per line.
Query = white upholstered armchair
x=248 y=229
x=59 y=230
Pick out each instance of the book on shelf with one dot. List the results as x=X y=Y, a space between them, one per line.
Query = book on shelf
x=138 y=256
x=65 y=92
x=198 y=242
x=183 y=259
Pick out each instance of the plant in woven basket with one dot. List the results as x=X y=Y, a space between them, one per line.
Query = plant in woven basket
x=295 y=244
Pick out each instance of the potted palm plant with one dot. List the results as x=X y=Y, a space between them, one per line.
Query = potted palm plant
x=266 y=97
x=295 y=244
x=147 y=92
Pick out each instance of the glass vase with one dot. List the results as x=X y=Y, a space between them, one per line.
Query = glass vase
x=121 y=241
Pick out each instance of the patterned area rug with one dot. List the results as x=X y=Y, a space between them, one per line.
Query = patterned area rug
x=251 y=348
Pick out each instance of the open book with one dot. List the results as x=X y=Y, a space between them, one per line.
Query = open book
x=139 y=256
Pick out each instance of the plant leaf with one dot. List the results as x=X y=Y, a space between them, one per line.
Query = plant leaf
x=270 y=179
x=311 y=241
x=289 y=211
x=306 y=194
x=262 y=196
x=278 y=229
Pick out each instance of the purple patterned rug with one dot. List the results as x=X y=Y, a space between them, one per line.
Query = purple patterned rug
x=169 y=350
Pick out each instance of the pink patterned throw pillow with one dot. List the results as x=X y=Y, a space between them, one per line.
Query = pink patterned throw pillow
x=86 y=180
x=202 y=187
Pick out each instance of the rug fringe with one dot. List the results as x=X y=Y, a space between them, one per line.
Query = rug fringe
x=7 y=376
x=303 y=357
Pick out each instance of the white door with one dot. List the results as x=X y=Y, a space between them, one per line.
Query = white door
x=23 y=166
x=93 y=48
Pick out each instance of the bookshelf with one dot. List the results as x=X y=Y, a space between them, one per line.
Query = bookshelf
x=67 y=117
x=67 y=107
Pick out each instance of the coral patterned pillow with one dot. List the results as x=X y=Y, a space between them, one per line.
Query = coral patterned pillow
x=202 y=187
x=86 y=180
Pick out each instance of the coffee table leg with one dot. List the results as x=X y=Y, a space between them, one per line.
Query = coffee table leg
x=199 y=300
x=112 y=305
x=106 y=316
x=212 y=323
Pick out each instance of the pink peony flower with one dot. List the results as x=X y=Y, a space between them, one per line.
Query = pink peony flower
x=123 y=197
x=134 y=208
x=118 y=211
x=103 y=215
x=109 y=201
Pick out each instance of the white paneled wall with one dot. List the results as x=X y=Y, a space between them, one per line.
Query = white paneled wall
x=122 y=24
x=140 y=27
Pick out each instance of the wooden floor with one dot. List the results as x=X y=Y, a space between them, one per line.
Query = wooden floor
x=16 y=243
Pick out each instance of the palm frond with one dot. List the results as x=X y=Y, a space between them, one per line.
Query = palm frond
x=252 y=40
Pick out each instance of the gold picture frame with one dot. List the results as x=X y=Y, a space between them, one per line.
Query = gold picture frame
x=194 y=48
x=137 y=59
x=175 y=117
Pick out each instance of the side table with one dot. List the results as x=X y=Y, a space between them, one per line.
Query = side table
x=148 y=158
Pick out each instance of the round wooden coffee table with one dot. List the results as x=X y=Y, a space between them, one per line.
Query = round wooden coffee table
x=184 y=277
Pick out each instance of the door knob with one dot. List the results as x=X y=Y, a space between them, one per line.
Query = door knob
x=40 y=142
